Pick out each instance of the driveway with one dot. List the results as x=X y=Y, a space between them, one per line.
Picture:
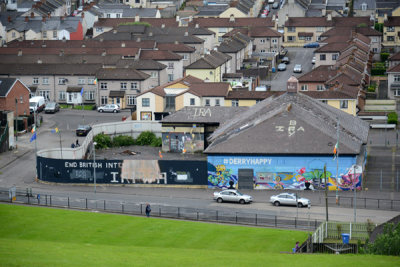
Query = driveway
x=297 y=55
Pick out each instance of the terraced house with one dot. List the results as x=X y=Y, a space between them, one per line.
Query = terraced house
x=301 y=30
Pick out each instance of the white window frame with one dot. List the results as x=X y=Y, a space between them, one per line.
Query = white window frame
x=61 y=81
x=45 y=80
x=235 y=103
x=89 y=95
x=320 y=87
x=134 y=85
x=304 y=87
x=62 y=95
x=35 y=80
x=104 y=100
x=207 y=102
x=192 y=102
x=217 y=102
x=344 y=104
x=145 y=102
x=81 y=81
x=123 y=85
x=131 y=100
x=103 y=86
x=90 y=80
x=170 y=65
x=396 y=78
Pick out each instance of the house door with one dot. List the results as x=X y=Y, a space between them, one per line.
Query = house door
x=245 y=179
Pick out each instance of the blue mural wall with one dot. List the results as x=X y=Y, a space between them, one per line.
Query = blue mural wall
x=286 y=172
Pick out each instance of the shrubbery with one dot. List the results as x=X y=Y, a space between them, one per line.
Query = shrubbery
x=387 y=243
x=102 y=140
x=392 y=118
x=123 y=140
x=144 y=139
x=384 y=56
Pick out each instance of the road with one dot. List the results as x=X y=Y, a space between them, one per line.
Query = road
x=297 y=55
x=21 y=174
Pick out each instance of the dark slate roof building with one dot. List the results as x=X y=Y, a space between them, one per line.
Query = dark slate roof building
x=290 y=124
x=213 y=115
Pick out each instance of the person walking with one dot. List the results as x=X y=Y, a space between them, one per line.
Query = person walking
x=77 y=143
x=148 y=210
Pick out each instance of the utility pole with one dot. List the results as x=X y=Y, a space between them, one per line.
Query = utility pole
x=326 y=193
x=16 y=121
x=337 y=162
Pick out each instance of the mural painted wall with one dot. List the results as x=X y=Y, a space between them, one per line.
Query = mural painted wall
x=280 y=172
x=123 y=171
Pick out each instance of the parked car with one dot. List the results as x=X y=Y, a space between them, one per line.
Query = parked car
x=311 y=45
x=313 y=60
x=282 y=66
x=109 y=108
x=271 y=1
x=83 y=130
x=52 y=107
x=289 y=199
x=297 y=68
x=232 y=195
x=37 y=104
x=285 y=60
x=275 y=5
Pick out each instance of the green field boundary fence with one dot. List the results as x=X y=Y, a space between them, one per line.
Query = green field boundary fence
x=28 y=197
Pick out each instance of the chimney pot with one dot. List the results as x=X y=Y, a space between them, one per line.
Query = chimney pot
x=9 y=19
x=292 y=85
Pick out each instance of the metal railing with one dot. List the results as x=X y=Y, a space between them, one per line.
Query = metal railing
x=183 y=213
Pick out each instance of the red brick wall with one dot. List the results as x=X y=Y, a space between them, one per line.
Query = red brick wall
x=16 y=91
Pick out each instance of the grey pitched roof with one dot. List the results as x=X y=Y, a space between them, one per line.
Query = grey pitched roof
x=37 y=25
x=49 y=69
x=371 y=4
x=141 y=64
x=264 y=129
x=141 y=12
x=210 y=61
x=57 y=59
x=210 y=115
x=5 y=85
x=121 y=74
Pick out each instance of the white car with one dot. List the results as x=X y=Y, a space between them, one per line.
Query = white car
x=297 y=68
x=282 y=67
x=313 y=60
x=289 y=199
x=271 y=1
x=109 y=108
x=232 y=195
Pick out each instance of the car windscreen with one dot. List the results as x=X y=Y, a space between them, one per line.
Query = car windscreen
x=50 y=105
x=32 y=104
x=239 y=193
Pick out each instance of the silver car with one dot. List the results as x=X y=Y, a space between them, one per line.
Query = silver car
x=232 y=195
x=297 y=68
x=282 y=67
x=289 y=199
x=109 y=108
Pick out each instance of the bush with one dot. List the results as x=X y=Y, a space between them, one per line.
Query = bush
x=102 y=140
x=378 y=71
x=384 y=56
x=157 y=142
x=392 y=118
x=84 y=107
x=371 y=88
x=379 y=27
x=123 y=140
x=145 y=138
x=387 y=243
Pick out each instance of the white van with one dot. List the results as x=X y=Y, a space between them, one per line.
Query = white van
x=36 y=104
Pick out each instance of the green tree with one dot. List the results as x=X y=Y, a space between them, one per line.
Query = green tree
x=387 y=243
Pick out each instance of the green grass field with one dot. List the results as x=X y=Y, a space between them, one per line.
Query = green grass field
x=38 y=236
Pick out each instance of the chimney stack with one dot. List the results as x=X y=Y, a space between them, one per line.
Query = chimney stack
x=44 y=19
x=48 y=14
x=26 y=18
x=9 y=19
x=32 y=15
x=292 y=85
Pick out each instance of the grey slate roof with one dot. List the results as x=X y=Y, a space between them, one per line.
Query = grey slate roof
x=210 y=115
x=5 y=85
x=141 y=64
x=121 y=74
x=57 y=59
x=49 y=69
x=264 y=129
x=37 y=25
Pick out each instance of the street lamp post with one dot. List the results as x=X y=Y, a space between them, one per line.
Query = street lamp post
x=16 y=121
x=94 y=166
